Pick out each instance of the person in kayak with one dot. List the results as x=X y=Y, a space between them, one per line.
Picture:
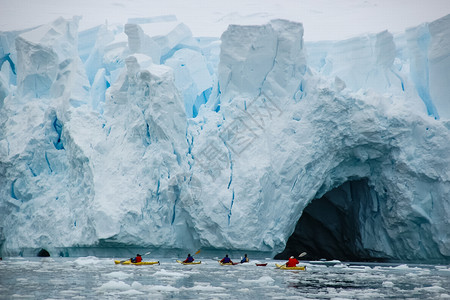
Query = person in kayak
x=137 y=259
x=245 y=259
x=189 y=259
x=226 y=260
x=292 y=262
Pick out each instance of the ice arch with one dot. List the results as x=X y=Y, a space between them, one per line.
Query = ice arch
x=336 y=225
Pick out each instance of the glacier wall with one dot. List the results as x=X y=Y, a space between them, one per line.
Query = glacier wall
x=143 y=135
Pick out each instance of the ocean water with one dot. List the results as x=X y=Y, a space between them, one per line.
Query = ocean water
x=99 y=278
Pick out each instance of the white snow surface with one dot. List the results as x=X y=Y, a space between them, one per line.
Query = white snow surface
x=221 y=144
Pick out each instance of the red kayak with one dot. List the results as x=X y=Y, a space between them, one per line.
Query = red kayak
x=261 y=265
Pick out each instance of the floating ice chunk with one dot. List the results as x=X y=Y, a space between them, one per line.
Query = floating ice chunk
x=114 y=285
x=261 y=280
x=402 y=267
x=431 y=289
x=70 y=293
x=89 y=260
x=204 y=287
x=340 y=265
x=168 y=274
x=387 y=284
x=119 y=275
x=136 y=285
x=159 y=288
x=131 y=292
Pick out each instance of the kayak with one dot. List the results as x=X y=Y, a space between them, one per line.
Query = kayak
x=191 y=263
x=261 y=265
x=228 y=264
x=128 y=262
x=142 y=263
x=283 y=267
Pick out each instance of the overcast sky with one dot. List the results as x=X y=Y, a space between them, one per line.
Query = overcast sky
x=322 y=19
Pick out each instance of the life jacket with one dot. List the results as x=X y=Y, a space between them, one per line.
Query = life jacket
x=292 y=262
x=138 y=259
x=225 y=260
x=189 y=259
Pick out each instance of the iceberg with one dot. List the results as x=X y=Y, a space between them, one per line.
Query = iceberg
x=141 y=135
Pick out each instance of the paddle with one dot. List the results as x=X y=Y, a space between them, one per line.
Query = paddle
x=147 y=253
x=302 y=254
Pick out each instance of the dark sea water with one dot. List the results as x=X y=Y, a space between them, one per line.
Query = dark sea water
x=100 y=278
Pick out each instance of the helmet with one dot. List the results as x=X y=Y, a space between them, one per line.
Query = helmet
x=292 y=257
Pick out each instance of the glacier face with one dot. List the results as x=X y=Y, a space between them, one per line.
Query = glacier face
x=143 y=135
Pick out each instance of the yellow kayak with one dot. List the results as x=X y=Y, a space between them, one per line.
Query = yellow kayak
x=283 y=267
x=228 y=264
x=191 y=263
x=142 y=263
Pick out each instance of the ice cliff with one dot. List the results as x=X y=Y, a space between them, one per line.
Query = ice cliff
x=143 y=135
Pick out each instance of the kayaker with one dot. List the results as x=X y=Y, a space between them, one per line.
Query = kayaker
x=226 y=260
x=292 y=262
x=189 y=259
x=137 y=259
x=245 y=259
